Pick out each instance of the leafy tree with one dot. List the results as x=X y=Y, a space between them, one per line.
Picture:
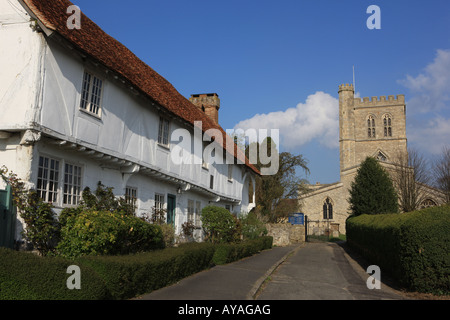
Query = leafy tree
x=372 y=191
x=276 y=194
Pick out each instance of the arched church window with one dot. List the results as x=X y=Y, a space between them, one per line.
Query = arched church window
x=427 y=203
x=371 y=127
x=327 y=209
x=387 y=122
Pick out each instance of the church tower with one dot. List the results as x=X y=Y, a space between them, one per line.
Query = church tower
x=373 y=127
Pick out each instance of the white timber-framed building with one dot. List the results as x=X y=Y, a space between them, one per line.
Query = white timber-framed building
x=77 y=108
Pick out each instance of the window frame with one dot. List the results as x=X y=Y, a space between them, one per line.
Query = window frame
x=191 y=211
x=86 y=104
x=211 y=182
x=230 y=173
x=59 y=189
x=163 y=132
x=371 y=127
x=197 y=214
x=158 y=201
x=387 y=125
x=131 y=196
x=55 y=182
x=72 y=184
x=327 y=209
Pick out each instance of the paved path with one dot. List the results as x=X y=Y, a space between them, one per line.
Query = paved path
x=312 y=271
x=235 y=281
x=322 y=271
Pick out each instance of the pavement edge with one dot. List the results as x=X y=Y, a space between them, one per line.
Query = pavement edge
x=252 y=293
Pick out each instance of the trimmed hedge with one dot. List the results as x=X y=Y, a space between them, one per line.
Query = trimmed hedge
x=27 y=276
x=229 y=252
x=412 y=247
x=129 y=276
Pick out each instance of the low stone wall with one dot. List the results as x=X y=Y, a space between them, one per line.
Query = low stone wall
x=285 y=234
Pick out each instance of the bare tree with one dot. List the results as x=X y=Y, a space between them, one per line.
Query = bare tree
x=411 y=178
x=441 y=171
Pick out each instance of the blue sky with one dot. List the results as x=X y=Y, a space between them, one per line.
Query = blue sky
x=273 y=63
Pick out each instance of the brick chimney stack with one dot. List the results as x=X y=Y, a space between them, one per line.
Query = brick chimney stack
x=209 y=103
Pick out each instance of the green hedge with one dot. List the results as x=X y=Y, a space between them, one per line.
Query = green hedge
x=129 y=276
x=229 y=252
x=412 y=247
x=27 y=276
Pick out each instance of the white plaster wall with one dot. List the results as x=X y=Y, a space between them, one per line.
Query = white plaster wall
x=95 y=171
x=21 y=52
x=128 y=124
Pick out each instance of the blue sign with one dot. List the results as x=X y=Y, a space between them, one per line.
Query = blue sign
x=297 y=218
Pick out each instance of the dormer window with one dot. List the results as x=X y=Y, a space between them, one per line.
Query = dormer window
x=91 y=94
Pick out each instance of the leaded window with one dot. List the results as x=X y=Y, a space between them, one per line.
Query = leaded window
x=387 y=122
x=327 y=210
x=371 y=132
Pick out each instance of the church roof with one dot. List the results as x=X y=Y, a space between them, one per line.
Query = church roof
x=91 y=40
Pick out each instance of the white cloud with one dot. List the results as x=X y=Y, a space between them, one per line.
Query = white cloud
x=432 y=137
x=317 y=118
x=430 y=89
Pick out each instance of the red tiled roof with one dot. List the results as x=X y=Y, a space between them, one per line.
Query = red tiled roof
x=96 y=43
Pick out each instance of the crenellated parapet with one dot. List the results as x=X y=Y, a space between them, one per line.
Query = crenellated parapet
x=381 y=101
x=346 y=87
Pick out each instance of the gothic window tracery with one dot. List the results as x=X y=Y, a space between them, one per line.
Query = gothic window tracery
x=387 y=122
x=427 y=203
x=328 y=209
x=371 y=133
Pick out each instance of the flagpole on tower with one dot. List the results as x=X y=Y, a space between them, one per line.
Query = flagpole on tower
x=354 y=84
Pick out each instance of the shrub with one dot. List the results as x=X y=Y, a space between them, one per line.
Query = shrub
x=168 y=234
x=103 y=199
x=219 y=224
x=252 y=227
x=413 y=247
x=25 y=276
x=105 y=232
x=41 y=226
x=42 y=229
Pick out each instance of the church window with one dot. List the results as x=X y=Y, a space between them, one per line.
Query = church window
x=371 y=127
x=327 y=209
x=381 y=156
x=387 y=122
x=427 y=203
